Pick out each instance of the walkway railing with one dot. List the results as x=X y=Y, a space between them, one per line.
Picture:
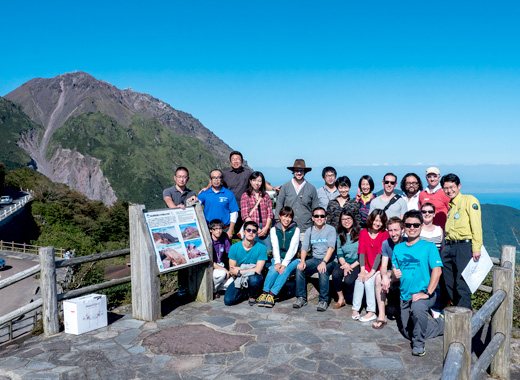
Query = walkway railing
x=461 y=326
x=5 y=213
x=50 y=297
x=26 y=248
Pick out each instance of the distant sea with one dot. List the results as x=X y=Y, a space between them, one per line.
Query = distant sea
x=505 y=199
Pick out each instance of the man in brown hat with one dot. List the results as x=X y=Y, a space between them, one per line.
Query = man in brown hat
x=300 y=195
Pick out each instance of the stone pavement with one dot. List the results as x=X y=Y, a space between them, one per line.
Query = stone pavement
x=213 y=341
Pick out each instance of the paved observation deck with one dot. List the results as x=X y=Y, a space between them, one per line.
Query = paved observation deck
x=214 y=341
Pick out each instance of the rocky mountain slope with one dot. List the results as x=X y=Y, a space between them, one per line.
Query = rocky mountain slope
x=51 y=103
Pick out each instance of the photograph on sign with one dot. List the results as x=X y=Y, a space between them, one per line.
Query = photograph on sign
x=176 y=238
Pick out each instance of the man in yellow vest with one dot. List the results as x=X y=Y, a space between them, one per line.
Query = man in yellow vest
x=463 y=239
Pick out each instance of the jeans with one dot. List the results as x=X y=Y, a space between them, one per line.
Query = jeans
x=234 y=296
x=274 y=281
x=266 y=241
x=368 y=287
x=416 y=325
x=311 y=267
x=338 y=279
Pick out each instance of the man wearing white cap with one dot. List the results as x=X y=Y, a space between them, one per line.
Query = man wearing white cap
x=433 y=194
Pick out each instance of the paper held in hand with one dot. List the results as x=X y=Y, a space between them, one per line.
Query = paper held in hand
x=476 y=271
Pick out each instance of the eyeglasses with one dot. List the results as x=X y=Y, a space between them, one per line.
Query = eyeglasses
x=219 y=177
x=428 y=211
x=251 y=230
x=390 y=182
x=412 y=183
x=181 y=176
x=319 y=216
x=414 y=225
x=432 y=176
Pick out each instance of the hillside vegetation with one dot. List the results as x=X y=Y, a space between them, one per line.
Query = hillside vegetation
x=139 y=160
x=500 y=225
x=13 y=121
x=66 y=218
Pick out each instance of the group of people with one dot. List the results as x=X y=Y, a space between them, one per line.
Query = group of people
x=410 y=247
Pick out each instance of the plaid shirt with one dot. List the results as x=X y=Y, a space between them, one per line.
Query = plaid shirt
x=266 y=208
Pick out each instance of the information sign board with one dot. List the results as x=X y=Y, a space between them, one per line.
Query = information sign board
x=176 y=238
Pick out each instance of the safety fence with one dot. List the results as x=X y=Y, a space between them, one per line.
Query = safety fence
x=48 y=287
x=461 y=326
x=17 y=206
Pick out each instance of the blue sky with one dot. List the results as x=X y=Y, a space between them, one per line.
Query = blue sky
x=336 y=82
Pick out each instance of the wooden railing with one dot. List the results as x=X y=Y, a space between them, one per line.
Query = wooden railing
x=461 y=326
x=50 y=296
x=26 y=248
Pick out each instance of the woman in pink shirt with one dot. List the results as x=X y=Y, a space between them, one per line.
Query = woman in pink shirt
x=370 y=242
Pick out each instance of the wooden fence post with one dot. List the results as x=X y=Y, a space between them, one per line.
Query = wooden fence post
x=457 y=329
x=508 y=255
x=146 y=303
x=51 y=322
x=200 y=277
x=502 y=322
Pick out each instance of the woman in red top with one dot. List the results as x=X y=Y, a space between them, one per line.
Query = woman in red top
x=370 y=242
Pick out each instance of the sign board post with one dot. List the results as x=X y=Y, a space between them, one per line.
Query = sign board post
x=166 y=240
x=146 y=304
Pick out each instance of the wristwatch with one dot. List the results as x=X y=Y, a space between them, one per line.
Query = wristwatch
x=323 y=261
x=239 y=274
x=428 y=294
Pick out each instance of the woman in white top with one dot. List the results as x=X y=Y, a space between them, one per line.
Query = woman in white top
x=431 y=232
x=285 y=239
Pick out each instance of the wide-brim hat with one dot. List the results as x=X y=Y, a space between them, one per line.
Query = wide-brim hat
x=299 y=164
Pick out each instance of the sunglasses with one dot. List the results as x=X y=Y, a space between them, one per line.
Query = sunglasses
x=428 y=211
x=319 y=216
x=414 y=225
x=390 y=182
x=251 y=230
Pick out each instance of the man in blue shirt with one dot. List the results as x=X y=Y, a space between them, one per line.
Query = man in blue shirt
x=418 y=265
x=220 y=203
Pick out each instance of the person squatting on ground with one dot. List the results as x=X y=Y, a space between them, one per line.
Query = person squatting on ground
x=417 y=264
x=246 y=261
x=221 y=276
x=285 y=240
x=385 y=279
x=321 y=238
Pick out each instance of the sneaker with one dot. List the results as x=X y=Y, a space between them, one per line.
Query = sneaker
x=300 y=302
x=252 y=301
x=418 y=352
x=261 y=300
x=269 y=301
x=322 y=306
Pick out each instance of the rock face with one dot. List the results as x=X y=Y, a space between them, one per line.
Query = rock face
x=51 y=102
